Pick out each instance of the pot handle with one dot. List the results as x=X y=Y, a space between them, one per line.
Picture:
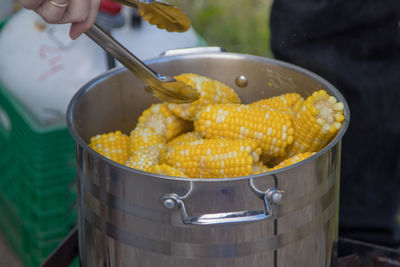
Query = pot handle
x=270 y=197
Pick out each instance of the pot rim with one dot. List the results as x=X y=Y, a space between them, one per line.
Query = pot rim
x=87 y=87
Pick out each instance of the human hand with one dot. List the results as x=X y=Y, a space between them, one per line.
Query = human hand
x=81 y=13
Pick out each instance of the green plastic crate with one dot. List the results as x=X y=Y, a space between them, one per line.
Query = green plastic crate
x=49 y=198
x=14 y=230
x=2 y=23
x=49 y=178
x=37 y=182
x=40 y=249
x=75 y=263
x=10 y=184
x=48 y=220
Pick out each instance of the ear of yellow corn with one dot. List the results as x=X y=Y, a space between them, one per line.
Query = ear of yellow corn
x=214 y=158
x=146 y=148
x=144 y=159
x=271 y=129
x=163 y=121
x=185 y=137
x=316 y=121
x=142 y=137
x=113 y=145
x=211 y=92
x=278 y=102
x=165 y=169
x=283 y=103
x=292 y=160
x=259 y=167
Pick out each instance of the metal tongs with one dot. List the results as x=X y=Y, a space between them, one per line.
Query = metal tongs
x=163 y=87
x=163 y=15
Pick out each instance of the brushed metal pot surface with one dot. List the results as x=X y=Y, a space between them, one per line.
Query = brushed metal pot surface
x=132 y=218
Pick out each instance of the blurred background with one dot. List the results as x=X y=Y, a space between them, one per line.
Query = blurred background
x=238 y=26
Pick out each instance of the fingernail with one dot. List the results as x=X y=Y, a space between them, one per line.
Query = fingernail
x=74 y=33
x=74 y=36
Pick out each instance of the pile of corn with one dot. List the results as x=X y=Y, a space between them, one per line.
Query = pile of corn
x=216 y=136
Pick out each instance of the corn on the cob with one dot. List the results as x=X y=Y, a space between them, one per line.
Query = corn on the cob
x=142 y=137
x=316 y=122
x=113 y=145
x=185 y=137
x=292 y=160
x=259 y=167
x=214 y=158
x=144 y=159
x=272 y=129
x=165 y=169
x=277 y=102
x=163 y=121
x=211 y=92
x=283 y=103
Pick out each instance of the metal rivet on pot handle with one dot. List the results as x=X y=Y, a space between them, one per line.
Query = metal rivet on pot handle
x=274 y=195
x=169 y=203
x=271 y=197
x=241 y=81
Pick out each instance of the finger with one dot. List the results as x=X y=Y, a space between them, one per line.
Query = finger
x=52 y=11
x=78 y=11
x=80 y=27
x=31 y=4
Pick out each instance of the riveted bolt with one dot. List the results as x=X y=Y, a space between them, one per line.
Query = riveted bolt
x=169 y=203
x=275 y=196
x=241 y=81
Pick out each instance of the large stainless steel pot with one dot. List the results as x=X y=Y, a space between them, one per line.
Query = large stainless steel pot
x=133 y=218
